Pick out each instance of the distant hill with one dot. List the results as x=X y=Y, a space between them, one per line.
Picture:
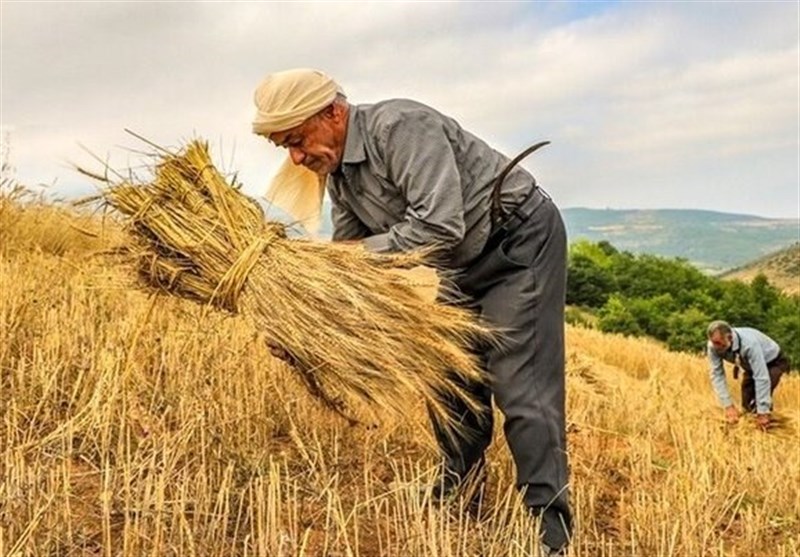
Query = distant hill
x=712 y=241
x=782 y=269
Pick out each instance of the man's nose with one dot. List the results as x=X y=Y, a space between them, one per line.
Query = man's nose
x=297 y=155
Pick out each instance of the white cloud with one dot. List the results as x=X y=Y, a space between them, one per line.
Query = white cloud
x=647 y=104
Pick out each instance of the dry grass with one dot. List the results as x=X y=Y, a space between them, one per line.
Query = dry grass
x=140 y=426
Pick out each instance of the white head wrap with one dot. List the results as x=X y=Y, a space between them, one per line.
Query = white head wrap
x=285 y=100
x=289 y=98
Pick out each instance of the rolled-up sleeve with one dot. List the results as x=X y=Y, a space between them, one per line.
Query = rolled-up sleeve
x=420 y=160
x=717 y=372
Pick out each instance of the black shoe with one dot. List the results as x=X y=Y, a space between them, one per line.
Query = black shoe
x=547 y=551
x=445 y=489
x=554 y=533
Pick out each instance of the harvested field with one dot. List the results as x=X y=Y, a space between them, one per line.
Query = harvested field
x=137 y=425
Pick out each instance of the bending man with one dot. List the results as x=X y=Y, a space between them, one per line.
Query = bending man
x=760 y=359
x=401 y=175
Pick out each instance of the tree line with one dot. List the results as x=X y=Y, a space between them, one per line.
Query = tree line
x=671 y=300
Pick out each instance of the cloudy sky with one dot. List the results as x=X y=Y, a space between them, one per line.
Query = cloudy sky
x=647 y=104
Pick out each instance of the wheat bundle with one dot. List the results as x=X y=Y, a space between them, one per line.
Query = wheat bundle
x=352 y=327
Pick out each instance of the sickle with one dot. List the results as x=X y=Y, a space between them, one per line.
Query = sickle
x=497 y=212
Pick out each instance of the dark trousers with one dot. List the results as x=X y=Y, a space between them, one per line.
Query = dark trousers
x=776 y=368
x=519 y=286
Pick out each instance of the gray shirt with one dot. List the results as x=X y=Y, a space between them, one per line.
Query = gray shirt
x=411 y=177
x=755 y=350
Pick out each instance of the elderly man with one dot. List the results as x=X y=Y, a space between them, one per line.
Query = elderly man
x=400 y=176
x=763 y=364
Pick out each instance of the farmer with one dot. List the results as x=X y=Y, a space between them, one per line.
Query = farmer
x=400 y=176
x=760 y=359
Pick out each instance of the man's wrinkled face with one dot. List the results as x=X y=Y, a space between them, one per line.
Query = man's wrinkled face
x=317 y=143
x=721 y=341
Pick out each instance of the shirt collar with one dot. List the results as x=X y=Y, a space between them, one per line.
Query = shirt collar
x=354 y=150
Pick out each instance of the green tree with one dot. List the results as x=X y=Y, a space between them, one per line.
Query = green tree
x=652 y=314
x=616 y=317
x=607 y=249
x=588 y=284
x=764 y=294
x=687 y=330
x=783 y=325
x=739 y=307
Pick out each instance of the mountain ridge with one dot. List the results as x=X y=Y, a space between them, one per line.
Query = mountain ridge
x=678 y=212
x=714 y=241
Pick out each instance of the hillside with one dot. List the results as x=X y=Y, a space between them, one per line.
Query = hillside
x=782 y=269
x=710 y=240
x=138 y=425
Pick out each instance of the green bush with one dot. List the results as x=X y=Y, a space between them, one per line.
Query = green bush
x=616 y=317
x=589 y=284
x=687 y=330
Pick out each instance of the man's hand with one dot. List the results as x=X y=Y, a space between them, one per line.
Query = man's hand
x=732 y=414
x=763 y=421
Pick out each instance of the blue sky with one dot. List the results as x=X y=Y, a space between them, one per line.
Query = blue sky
x=647 y=104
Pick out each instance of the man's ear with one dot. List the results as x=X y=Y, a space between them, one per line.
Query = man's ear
x=338 y=112
x=329 y=111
